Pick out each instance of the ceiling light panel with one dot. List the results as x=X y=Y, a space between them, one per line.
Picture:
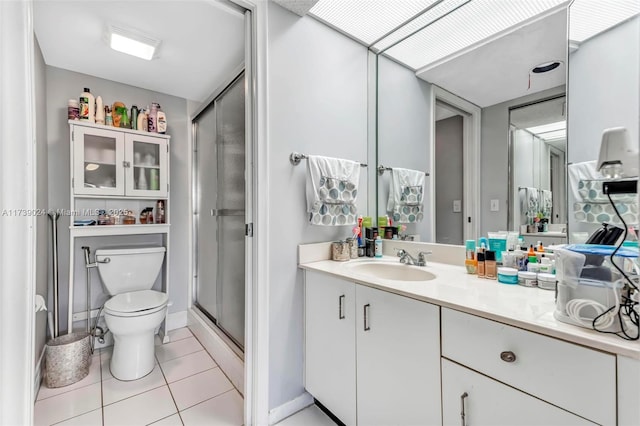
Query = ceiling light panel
x=368 y=20
x=437 y=11
x=474 y=23
x=131 y=42
x=552 y=136
x=548 y=127
x=588 y=18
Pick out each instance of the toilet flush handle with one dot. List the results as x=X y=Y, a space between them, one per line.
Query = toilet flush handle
x=105 y=260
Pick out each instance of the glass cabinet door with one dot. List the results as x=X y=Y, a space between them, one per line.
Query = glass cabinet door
x=98 y=161
x=147 y=174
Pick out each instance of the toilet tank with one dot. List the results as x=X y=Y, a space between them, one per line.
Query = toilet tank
x=132 y=268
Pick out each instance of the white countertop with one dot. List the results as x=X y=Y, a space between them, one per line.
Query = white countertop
x=527 y=308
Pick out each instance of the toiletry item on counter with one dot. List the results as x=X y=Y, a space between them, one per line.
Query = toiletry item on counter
x=470 y=247
x=128 y=218
x=533 y=265
x=539 y=246
x=340 y=251
x=160 y=216
x=87 y=103
x=378 y=247
x=162 y=121
x=547 y=281
x=353 y=247
x=507 y=275
x=481 y=264
x=545 y=265
x=370 y=248
x=527 y=279
x=99 y=110
x=471 y=265
x=73 y=109
x=497 y=244
x=490 y=265
x=510 y=259
x=116 y=113
x=124 y=118
x=146 y=215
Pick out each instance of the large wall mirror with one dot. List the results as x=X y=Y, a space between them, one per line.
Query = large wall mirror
x=493 y=115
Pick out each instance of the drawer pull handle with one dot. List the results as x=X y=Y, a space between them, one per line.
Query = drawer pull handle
x=508 y=356
x=366 y=318
x=462 y=413
x=341 y=307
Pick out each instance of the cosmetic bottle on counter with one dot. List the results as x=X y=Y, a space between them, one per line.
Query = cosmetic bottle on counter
x=378 y=247
x=490 y=266
x=481 y=265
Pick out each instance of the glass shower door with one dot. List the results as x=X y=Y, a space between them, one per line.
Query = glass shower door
x=221 y=191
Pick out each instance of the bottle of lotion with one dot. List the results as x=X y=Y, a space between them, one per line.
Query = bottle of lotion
x=162 y=121
x=142 y=120
x=99 y=110
x=87 y=106
x=153 y=118
x=378 y=247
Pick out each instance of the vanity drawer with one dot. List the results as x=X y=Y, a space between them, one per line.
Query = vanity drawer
x=578 y=379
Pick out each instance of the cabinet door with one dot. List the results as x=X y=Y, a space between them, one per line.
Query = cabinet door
x=98 y=157
x=330 y=352
x=469 y=398
x=398 y=359
x=148 y=173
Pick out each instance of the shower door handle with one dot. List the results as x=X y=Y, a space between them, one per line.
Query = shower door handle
x=227 y=212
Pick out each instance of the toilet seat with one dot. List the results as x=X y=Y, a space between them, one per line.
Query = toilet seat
x=136 y=303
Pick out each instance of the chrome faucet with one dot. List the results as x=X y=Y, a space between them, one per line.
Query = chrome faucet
x=406 y=258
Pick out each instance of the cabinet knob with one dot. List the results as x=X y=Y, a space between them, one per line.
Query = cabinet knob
x=507 y=356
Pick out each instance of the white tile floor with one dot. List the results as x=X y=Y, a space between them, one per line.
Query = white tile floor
x=185 y=388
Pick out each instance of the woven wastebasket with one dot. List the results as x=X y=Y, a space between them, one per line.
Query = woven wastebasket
x=67 y=359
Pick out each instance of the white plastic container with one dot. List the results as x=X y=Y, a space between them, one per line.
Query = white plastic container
x=87 y=106
x=527 y=279
x=99 y=110
x=507 y=275
x=162 y=121
x=547 y=281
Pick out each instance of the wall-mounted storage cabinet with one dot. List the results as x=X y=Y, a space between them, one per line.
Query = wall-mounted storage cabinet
x=116 y=162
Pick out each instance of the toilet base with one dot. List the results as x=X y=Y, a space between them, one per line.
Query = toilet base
x=133 y=356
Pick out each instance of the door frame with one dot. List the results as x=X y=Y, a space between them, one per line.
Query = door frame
x=471 y=135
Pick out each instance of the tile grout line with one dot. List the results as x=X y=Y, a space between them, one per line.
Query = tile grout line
x=209 y=399
x=223 y=372
x=170 y=393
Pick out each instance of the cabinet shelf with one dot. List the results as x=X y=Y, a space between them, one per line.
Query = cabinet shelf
x=102 y=230
x=117 y=129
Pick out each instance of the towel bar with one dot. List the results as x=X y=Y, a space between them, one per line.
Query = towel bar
x=296 y=157
x=382 y=169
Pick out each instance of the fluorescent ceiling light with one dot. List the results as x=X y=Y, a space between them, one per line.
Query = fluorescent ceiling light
x=368 y=20
x=588 y=18
x=551 y=131
x=132 y=42
x=548 y=127
x=477 y=22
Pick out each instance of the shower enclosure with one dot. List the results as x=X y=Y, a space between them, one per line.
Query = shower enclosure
x=219 y=189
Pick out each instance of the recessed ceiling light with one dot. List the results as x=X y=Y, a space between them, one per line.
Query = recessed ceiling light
x=546 y=67
x=132 y=42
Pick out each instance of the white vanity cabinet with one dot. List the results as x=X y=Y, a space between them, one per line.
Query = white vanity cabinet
x=371 y=357
x=398 y=352
x=108 y=161
x=330 y=344
x=579 y=380
x=470 y=398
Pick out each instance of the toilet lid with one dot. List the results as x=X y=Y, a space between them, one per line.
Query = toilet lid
x=136 y=301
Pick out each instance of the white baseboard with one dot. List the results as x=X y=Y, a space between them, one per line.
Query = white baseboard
x=37 y=375
x=288 y=408
x=177 y=320
x=228 y=361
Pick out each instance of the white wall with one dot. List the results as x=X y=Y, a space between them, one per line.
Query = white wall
x=449 y=180
x=42 y=199
x=603 y=89
x=317 y=104
x=494 y=169
x=63 y=85
x=603 y=93
x=404 y=105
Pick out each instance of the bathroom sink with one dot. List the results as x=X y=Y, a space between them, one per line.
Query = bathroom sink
x=391 y=271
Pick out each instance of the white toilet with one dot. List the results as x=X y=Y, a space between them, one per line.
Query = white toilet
x=134 y=311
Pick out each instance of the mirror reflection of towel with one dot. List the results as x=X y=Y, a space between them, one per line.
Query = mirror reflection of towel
x=529 y=201
x=406 y=195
